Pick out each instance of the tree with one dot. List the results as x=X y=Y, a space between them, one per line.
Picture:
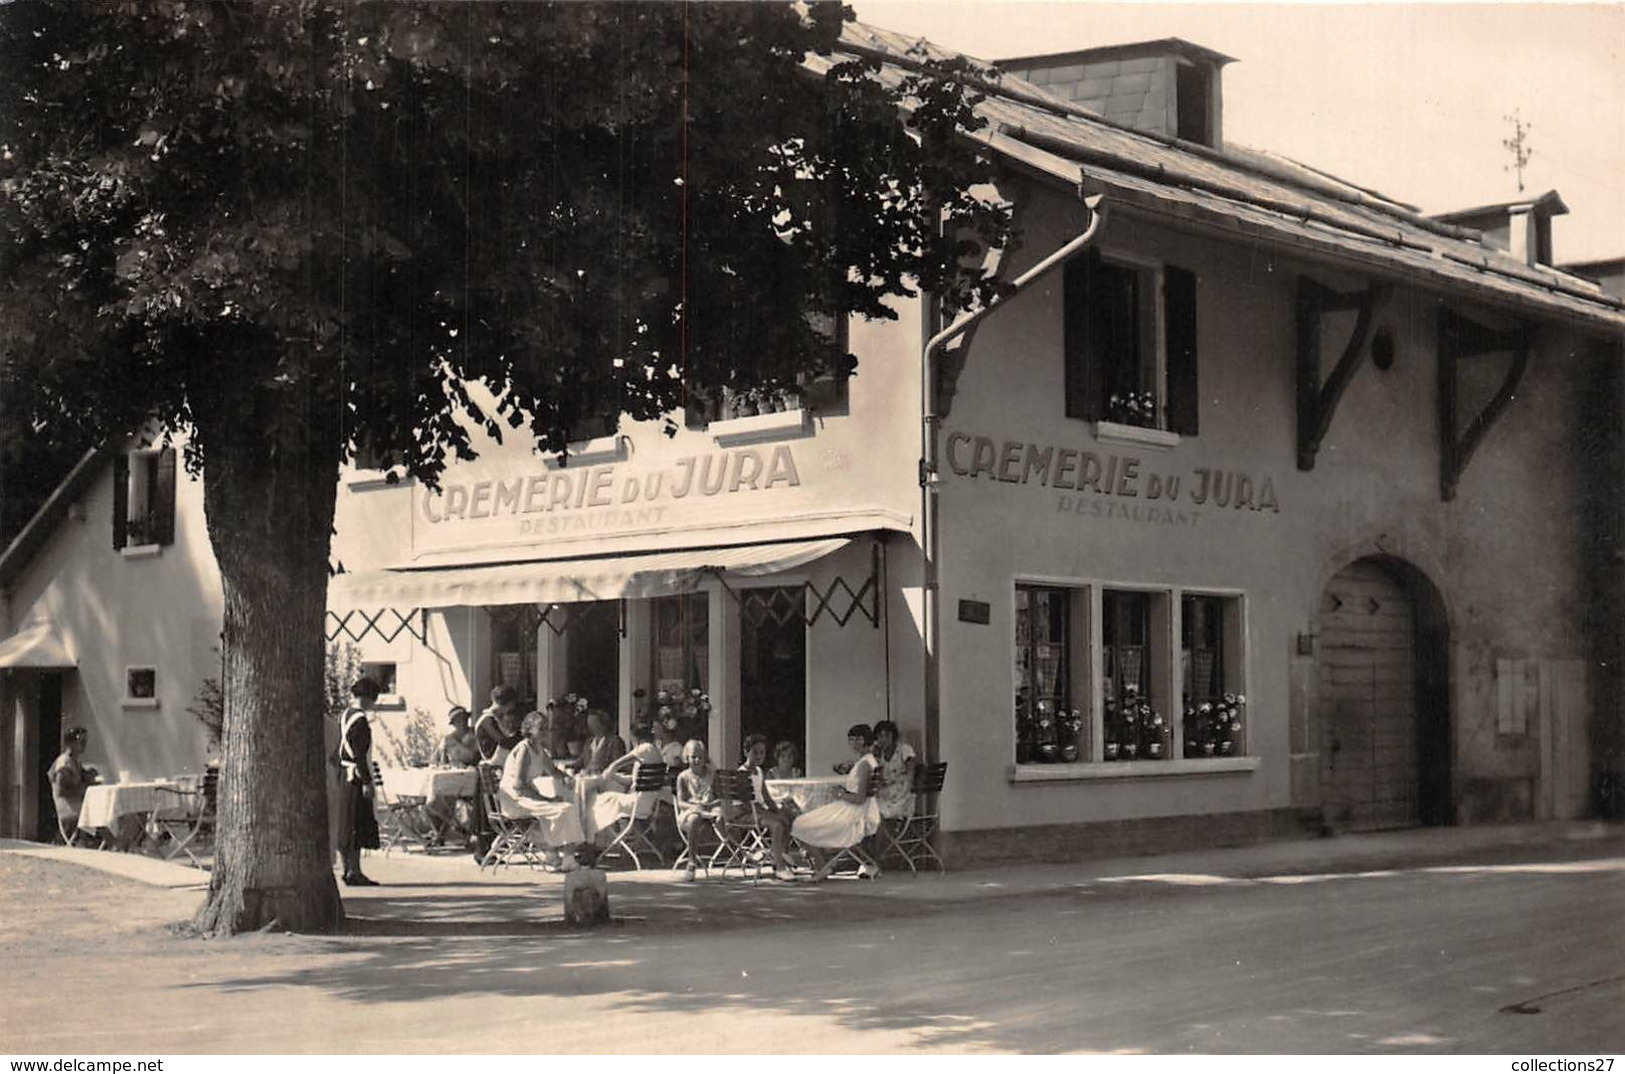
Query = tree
x=298 y=229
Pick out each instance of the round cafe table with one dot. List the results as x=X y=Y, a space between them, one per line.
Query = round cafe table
x=807 y=793
x=447 y=782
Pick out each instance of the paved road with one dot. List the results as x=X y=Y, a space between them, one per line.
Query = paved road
x=1514 y=952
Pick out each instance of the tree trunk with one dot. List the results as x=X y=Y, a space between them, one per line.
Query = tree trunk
x=270 y=515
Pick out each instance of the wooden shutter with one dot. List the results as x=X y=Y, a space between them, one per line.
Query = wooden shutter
x=1085 y=371
x=121 y=499
x=1179 y=324
x=161 y=499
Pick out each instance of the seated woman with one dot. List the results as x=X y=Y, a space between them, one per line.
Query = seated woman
x=896 y=761
x=696 y=802
x=853 y=817
x=459 y=748
x=858 y=738
x=771 y=815
x=555 y=822
x=786 y=761
x=665 y=737
x=617 y=799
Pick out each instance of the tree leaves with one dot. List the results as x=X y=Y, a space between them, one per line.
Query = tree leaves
x=367 y=207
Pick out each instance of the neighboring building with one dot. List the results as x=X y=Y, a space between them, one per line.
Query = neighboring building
x=1267 y=434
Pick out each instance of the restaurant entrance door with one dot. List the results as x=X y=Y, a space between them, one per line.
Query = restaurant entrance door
x=592 y=655
x=773 y=666
x=48 y=704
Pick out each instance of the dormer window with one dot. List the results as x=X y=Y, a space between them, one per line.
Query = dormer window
x=1169 y=87
x=1193 y=102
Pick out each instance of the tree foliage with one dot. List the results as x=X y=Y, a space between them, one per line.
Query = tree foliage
x=301 y=230
x=245 y=216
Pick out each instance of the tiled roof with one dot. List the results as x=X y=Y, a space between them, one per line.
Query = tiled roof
x=1247 y=193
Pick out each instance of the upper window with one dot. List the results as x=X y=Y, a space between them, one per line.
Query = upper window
x=824 y=393
x=1131 y=343
x=144 y=498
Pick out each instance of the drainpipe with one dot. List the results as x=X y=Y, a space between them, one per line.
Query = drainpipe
x=929 y=476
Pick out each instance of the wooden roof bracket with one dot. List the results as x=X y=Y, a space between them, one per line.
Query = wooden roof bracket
x=1317 y=402
x=1461 y=338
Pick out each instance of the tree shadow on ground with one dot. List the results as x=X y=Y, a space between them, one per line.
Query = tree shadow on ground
x=1087 y=967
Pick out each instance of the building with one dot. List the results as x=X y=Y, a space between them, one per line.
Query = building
x=1273 y=502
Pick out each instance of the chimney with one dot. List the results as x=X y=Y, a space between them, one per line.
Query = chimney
x=1169 y=87
x=1521 y=228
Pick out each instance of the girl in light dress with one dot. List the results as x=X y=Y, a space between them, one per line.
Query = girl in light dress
x=556 y=820
x=696 y=802
x=845 y=822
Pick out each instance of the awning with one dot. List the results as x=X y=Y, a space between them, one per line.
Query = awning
x=37 y=645
x=653 y=574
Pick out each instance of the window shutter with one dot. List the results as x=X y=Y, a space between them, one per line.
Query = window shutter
x=163 y=499
x=1179 y=310
x=1085 y=371
x=121 y=499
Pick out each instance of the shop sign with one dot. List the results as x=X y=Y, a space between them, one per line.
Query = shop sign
x=1109 y=481
x=569 y=500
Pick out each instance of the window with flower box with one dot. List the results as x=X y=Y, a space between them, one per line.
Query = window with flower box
x=1210 y=653
x=1110 y=674
x=1134 y=654
x=1048 y=725
x=1130 y=343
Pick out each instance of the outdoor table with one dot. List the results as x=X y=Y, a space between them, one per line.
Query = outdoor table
x=807 y=793
x=448 y=782
x=106 y=803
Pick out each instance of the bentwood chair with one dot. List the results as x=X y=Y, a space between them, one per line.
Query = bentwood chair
x=637 y=828
x=510 y=837
x=912 y=838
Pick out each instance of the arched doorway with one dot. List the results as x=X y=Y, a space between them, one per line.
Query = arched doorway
x=1383 y=698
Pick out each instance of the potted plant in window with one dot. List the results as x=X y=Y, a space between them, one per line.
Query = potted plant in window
x=1049 y=751
x=1133 y=408
x=789 y=398
x=1071 y=735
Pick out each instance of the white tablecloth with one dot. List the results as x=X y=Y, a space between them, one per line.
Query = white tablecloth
x=806 y=793
x=105 y=803
x=430 y=782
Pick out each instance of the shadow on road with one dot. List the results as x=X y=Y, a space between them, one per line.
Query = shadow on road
x=1086 y=967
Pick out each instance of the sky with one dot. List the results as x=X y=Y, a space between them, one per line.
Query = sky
x=1409 y=99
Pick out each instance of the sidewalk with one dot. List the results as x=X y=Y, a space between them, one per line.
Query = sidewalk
x=430 y=882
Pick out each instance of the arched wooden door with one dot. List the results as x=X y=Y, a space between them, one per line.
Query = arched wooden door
x=1369 y=770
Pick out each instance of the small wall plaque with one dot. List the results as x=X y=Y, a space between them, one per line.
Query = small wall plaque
x=975 y=611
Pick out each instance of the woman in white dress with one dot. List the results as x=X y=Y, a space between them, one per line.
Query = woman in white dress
x=617 y=800
x=845 y=822
x=557 y=822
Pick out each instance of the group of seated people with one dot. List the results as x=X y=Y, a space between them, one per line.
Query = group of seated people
x=574 y=789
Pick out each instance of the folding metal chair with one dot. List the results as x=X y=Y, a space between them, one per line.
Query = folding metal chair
x=912 y=838
x=510 y=837
x=188 y=821
x=402 y=821
x=637 y=828
x=744 y=838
